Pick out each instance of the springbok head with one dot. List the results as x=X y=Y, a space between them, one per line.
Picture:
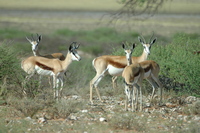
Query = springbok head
x=34 y=42
x=147 y=46
x=128 y=52
x=72 y=50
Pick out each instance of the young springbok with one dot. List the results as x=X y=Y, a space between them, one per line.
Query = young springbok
x=151 y=71
x=133 y=75
x=35 y=43
x=52 y=67
x=114 y=65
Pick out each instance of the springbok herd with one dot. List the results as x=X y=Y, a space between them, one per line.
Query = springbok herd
x=132 y=69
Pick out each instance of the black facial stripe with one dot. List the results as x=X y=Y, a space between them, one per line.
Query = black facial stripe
x=74 y=54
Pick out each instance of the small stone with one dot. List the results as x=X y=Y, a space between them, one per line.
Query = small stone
x=42 y=120
x=102 y=119
x=84 y=111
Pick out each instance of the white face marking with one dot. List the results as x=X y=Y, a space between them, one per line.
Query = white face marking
x=75 y=56
x=41 y=71
x=113 y=71
x=146 y=48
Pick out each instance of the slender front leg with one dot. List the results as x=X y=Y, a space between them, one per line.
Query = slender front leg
x=91 y=88
x=94 y=83
x=54 y=85
x=114 y=84
x=133 y=98
x=136 y=96
x=140 y=98
x=127 y=93
x=160 y=86
x=153 y=84
x=126 y=103
x=61 y=86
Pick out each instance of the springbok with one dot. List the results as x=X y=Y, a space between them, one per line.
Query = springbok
x=35 y=43
x=151 y=71
x=133 y=75
x=114 y=65
x=52 y=67
x=143 y=57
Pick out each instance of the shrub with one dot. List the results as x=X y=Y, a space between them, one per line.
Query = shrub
x=178 y=62
x=127 y=122
x=64 y=108
x=10 y=71
x=28 y=107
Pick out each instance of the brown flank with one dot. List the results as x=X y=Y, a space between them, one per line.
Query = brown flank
x=117 y=64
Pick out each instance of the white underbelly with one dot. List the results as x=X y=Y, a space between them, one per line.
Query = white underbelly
x=115 y=71
x=41 y=71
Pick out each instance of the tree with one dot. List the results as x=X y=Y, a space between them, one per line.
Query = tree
x=132 y=8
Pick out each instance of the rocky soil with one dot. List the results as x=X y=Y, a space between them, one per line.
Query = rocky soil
x=177 y=114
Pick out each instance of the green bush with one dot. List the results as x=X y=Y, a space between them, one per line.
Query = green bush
x=178 y=62
x=10 y=71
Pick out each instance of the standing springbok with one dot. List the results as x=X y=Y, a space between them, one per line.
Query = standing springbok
x=35 y=43
x=151 y=71
x=143 y=57
x=133 y=75
x=114 y=65
x=52 y=67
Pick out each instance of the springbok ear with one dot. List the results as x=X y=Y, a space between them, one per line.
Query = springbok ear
x=70 y=47
x=152 y=42
x=39 y=38
x=134 y=45
x=123 y=45
x=140 y=40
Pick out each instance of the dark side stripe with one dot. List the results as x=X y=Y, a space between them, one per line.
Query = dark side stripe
x=44 y=66
x=117 y=64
